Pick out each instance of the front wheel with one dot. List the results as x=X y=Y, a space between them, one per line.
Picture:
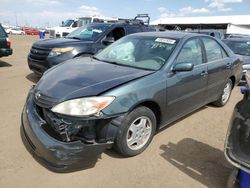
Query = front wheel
x=226 y=93
x=136 y=132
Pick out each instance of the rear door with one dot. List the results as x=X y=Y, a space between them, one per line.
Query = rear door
x=186 y=90
x=219 y=67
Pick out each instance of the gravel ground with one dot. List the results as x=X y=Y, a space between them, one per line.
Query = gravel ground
x=189 y=153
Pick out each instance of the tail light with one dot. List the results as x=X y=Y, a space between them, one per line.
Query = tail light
x=8 y=42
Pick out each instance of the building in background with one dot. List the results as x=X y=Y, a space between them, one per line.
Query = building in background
x=237 y=24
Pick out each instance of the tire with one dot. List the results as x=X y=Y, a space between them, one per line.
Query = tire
x=226 y=93
x=136 y=132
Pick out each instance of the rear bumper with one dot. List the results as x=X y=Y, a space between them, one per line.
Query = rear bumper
x=5 y=52
x=56 y=155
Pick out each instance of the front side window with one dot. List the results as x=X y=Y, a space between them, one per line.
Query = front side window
x=191 y=52
x=149 y=53
x=213 y=49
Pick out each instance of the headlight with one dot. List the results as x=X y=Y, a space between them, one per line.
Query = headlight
x=59 y=51
x=83 y=107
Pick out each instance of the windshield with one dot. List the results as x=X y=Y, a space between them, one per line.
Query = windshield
x=67 y=23
x=89 y=32
x=239 y=47
x=148 y=53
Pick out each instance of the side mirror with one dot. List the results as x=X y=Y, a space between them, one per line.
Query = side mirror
x=109 y=40
x=182 y=67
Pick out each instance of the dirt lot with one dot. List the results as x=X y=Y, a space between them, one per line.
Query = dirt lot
x=189 y=153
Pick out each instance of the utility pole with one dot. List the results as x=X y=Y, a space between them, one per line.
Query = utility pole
x=16 y=19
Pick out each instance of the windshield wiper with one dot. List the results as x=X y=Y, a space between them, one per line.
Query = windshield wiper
x=112 y=62
x=94 y=57
x=78 y=38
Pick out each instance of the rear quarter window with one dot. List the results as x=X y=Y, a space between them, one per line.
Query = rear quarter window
x=2 y=32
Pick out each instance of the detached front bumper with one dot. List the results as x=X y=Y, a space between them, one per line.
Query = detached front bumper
x=56 y=155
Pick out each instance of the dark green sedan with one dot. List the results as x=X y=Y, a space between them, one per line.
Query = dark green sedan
x=121 y=96
x=5 y=49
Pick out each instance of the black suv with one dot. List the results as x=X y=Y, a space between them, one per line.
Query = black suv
x=85 y=41
x=5 y=49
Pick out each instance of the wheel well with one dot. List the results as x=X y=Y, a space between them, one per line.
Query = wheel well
x=155 y=108
x=232 y=78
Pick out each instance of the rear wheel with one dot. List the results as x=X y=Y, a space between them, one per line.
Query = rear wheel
x=226 y=93
x=136 y=132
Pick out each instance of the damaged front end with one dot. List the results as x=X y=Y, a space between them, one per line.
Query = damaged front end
x=237 y=146
x=63 y=142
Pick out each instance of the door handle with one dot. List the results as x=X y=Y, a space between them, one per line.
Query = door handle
x=204 y=73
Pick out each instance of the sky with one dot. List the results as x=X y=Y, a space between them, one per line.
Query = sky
x=44 y=13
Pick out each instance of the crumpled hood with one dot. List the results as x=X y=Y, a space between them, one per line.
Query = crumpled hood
x=83 y=77
x=59 y=42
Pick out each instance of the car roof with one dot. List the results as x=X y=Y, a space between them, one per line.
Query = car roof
x=205 y=30
x=121 y=22
x=169 y=34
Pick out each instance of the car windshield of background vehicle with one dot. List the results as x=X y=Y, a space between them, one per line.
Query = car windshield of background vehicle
x=148 y=53
x=67 y=23
x=240 y=47
x=84 y=21
x=90 y=33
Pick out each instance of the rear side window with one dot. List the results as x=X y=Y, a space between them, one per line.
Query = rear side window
x=191 y=52
x=213 y=50
x=2 y=32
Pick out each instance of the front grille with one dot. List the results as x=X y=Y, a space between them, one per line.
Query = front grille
x=65 y=34
x=52 y=33
x=44 y=101
x=39 y=54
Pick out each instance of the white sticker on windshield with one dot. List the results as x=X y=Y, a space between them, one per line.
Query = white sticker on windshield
x=248 y=42
x=164 y=40
x=97 y=30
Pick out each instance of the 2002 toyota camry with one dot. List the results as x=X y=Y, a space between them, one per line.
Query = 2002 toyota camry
x=124 y=94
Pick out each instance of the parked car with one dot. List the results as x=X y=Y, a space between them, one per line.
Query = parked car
x=121 y=96
x=15 y=31
x=31 y=31
x=85 y=41
x=240 y=46
x=211 y=32
x=237 y=142
x=5 y=44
